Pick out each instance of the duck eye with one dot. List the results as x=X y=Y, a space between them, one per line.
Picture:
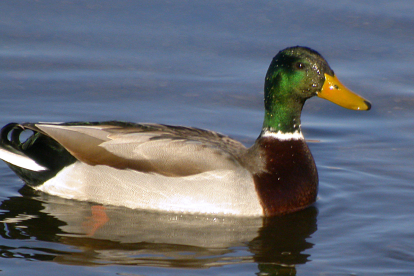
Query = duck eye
x=299 y=65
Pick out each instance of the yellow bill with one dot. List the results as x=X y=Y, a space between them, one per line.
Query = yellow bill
x=333 y=90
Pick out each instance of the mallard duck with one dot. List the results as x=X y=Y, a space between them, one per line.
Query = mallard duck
x=184 y=169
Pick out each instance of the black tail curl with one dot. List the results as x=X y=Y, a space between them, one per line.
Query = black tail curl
x=39 y=147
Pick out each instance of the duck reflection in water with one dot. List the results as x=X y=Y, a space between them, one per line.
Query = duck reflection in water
x=124 y=236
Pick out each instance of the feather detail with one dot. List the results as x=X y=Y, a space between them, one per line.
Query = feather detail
x=167 y=150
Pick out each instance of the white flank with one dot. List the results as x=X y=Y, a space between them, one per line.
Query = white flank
x=21 y=161
x=283 y=136
x=215 y=192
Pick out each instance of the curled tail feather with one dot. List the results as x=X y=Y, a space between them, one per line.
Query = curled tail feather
x=35 y=159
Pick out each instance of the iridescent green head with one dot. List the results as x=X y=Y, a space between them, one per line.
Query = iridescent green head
x=295 y=75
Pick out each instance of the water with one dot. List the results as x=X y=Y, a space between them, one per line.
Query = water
x=203 y=64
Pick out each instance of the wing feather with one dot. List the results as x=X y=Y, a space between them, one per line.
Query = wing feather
x=163 y=149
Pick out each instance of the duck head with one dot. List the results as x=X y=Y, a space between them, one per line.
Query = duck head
x=295 y=75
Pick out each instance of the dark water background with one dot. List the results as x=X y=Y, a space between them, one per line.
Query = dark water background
x=202 y=63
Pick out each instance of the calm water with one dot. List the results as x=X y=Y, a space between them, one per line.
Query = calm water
x=202 y=64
